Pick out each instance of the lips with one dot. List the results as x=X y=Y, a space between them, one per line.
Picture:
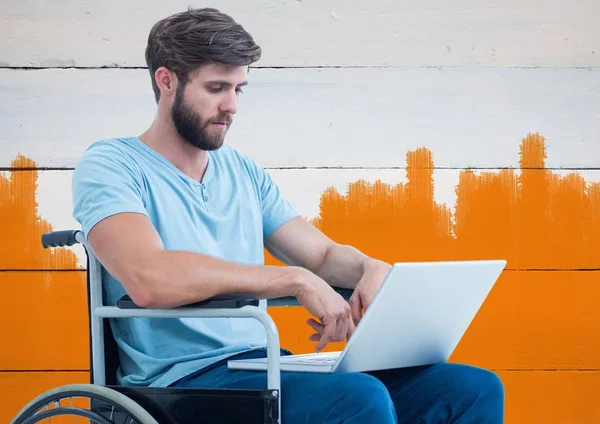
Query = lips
x=222 y=121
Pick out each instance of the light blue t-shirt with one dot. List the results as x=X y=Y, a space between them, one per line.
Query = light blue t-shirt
x=228 y=216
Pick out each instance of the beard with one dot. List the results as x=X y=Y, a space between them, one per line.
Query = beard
x=188 y=124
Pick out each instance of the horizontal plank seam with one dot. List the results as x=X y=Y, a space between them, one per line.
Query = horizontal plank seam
x=440 y=67
x=41 y=168
x=544 y=369
x=552 y=269
x=491 y=369
x=308 y=168
x=47 y=370
x=506 y=269
x=45 y=270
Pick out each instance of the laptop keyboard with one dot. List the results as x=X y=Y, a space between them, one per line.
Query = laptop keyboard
x=328 y=358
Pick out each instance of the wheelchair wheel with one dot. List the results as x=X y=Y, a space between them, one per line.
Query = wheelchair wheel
x=86 y=403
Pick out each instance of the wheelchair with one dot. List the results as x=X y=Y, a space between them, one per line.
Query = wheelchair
x=103 y=401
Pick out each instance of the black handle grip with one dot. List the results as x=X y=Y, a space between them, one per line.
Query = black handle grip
x=59 y=238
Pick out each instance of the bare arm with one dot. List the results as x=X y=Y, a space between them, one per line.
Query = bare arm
x=130 y=249
x=298 y=243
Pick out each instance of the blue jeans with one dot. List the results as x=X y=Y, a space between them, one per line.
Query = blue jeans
x=441 y=393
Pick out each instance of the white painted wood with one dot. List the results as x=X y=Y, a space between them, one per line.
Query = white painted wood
x=303 y=188
x=325 y=117
x=90 y=33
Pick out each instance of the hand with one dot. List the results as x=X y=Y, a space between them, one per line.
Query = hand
x=370 y=282
x=332 y=310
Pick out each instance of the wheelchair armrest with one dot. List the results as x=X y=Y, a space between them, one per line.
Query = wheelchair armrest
x=60 y=238
x=232 y=301
x=222 y=302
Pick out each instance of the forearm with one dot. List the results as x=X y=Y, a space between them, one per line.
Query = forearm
x=343 y=266
x=172 y=278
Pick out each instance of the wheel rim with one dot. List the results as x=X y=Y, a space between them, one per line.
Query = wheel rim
x=93 y=403
x=67 y=411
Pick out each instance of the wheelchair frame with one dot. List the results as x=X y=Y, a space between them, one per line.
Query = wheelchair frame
x=148 y=398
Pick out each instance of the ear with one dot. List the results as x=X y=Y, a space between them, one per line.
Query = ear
x=166 y=81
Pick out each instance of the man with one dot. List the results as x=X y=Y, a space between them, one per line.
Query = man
x=175 y=216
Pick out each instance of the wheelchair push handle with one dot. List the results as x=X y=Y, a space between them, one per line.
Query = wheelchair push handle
x=59 y=238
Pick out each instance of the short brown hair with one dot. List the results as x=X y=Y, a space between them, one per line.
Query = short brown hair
x=184 y=41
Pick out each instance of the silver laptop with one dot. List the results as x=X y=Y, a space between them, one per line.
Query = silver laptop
x=417 y=317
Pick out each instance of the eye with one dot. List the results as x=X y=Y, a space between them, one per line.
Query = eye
x=215 y=88
x=239 y=90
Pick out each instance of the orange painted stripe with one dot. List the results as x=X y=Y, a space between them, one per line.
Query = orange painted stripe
x=19 y=388
x=549 y=397
x=21 y=227
x=534 y=218
x=537 y=320
x=44 y=321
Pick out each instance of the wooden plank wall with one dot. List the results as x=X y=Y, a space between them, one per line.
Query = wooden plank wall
x=414 y=132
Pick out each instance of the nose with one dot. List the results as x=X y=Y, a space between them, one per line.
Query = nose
x=229 y=103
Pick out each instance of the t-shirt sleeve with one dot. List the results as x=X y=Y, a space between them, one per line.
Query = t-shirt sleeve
x=276 y=209
x=105 y=182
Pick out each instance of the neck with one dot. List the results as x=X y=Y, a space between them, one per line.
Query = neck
x=163 y=137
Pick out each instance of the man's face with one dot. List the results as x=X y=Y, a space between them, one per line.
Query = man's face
x=203 y=109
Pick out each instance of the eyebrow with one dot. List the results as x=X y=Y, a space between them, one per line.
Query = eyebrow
x=226 y=83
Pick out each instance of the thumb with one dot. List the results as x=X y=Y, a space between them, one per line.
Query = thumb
x=356 y=308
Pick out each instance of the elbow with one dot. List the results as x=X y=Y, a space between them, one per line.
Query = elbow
x=141 y=288
x=143 y=299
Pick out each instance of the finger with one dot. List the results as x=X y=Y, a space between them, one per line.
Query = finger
x=314 y=337
x=327 y=335
x=317 y=326
x=342 y=328
x=356 y=307
x=366 y=302
x=351 y=328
